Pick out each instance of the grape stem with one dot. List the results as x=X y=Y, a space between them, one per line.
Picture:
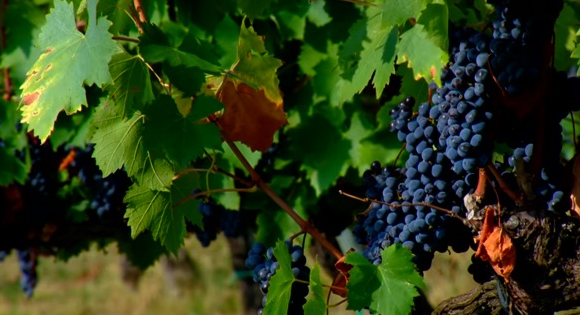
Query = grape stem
x=481 y=184
x=517 y=197
x=305 y=226
x=212 y=191
x=126 y=39
x=447 y=211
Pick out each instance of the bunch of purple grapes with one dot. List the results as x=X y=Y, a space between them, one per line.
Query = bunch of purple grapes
x=106 y=193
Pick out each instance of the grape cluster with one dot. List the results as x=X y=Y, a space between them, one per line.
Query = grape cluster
x=28 y=261
x=216 y=218
x=549 y=188
x=264 y=265
x=405 y=217
x=462 y=105
x=516 y=51
x=106 y=193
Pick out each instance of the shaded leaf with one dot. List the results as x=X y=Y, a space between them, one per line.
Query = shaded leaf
x=131 y=87
x=84 y=58
x=155 y=47
x=323 y=150
x=181 y=138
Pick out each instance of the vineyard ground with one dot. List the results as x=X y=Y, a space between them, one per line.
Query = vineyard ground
x=91 y=284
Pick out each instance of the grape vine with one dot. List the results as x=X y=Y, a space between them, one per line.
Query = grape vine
x=418 y=127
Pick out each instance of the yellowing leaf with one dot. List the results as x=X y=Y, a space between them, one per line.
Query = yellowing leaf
x=70 y=59
x=249 y=115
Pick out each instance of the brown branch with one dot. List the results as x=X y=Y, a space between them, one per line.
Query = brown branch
x=481 y=184
x=304 y=225
x=8 y=87
x=126 y=39
x=140 y=11
x=397 y=205
x=546 y=278
x=211 y=191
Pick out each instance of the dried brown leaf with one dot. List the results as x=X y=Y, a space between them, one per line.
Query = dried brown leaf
x=341 y=280
x=249 y=115
x=496 y=246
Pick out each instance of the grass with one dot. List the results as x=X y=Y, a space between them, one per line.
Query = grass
x=92 y=284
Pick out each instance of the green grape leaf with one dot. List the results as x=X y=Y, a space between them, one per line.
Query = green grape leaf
x=12 y=168
x=352 y=46
x=317 y=15
x=565 y=39
x=422 y=54
x=435 y=18
x=388 y=288
x=292 y=19
x=131 y=87
x=280 y=289
x=189 y=80
x=84 y=58
x=274 y=223
x=181 y=138
x=377 y=57
x=161 y=213
x=309 y=58
x=369 y=144
x=143 y=251
x=155 y=47
x=315 y=305
x=254 y=8
x=255 y=66
x=226 y=36
x=118 y=141
x=397 y=12
x=322 y=149
x=72 y=130
x=157 y=172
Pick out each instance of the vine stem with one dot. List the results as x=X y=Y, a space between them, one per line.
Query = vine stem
x=503 y=185
x=304 y=225
x=394 y=205
x=126 y=39
x=212 y=191
x=142 y=17
x=8 y=89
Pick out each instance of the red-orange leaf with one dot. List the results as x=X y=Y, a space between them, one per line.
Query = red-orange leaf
x=501 y=252
x=249 y=115
x=496 y=246
x=341 y=280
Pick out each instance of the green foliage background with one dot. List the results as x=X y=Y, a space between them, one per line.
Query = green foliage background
x=139 y=96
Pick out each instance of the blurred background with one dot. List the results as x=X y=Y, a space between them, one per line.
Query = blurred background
x=200 y=281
